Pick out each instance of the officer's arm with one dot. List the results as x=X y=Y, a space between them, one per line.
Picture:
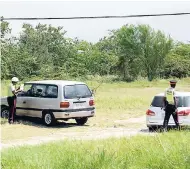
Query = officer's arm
x=164 y=101
x=175 y=100
x=14 y=91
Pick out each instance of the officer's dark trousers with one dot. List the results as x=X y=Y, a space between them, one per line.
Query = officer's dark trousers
x=12 y=108
x=170 y=110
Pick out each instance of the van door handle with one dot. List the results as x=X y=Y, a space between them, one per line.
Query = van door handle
x=24 y=102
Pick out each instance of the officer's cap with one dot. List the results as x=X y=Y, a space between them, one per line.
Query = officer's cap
x=173 y=81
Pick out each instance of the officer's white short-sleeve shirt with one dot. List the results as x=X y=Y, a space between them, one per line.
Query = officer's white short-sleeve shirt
x=11 y=89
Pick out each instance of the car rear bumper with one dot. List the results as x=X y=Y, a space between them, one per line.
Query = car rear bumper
x=169 y=124
x=76 y=114
x=183 y=121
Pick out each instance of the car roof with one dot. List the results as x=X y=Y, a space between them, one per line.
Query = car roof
x=57 y=82
x=177 y=94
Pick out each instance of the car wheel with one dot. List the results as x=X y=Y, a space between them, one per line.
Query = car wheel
x=5 y=112
x=81 y=121
x=152 y=128
x=48 y=119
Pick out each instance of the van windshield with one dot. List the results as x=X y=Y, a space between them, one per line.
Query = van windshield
x=76 y=91
x=182 y=101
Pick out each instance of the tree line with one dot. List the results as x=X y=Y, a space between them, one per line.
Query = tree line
x=130 y=52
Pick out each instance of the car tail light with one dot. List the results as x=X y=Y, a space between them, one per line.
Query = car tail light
x=91 y=103
x=184 y=112
x=150 y=113
x=64 y=104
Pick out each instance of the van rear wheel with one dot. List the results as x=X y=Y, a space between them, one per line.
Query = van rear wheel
x=48 y=118
x=82 y=120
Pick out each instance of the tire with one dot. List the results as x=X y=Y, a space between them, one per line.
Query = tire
x=48 y=118
x=5 y=112
x=82 y=120
x=152 y=128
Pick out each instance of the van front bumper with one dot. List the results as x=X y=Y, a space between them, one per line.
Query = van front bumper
x=68 y=114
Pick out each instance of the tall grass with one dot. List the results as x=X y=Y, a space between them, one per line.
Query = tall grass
x=163 y=151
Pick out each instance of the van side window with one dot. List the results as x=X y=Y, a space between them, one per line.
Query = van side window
x=26 y=91
x=52 y=91
x=38 y=90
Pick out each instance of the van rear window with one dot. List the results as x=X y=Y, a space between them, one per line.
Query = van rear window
x=76 y=91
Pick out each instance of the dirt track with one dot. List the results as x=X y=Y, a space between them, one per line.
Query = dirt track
x=95 y=133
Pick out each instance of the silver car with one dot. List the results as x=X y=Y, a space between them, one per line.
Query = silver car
x=155 y=114
x=53 y=100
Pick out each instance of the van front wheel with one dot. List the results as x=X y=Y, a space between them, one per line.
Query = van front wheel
x=5 y=112
x=82 y=120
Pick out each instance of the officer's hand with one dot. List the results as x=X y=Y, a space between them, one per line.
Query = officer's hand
x=175 y=111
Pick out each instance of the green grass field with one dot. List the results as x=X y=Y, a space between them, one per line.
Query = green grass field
x=163 y=151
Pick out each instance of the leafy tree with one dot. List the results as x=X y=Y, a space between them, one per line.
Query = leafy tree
x=177 y=63
x=131 y=51
x=5 y=49
x=127 y=41
x=154 y=47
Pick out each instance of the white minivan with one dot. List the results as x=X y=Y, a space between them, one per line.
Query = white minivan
x=53 y=100
x=155 y=114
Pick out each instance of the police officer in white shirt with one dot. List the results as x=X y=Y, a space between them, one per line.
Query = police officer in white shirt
x=170 y=105
x=11 y=99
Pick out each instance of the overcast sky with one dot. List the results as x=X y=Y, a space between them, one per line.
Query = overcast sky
x=92 y=30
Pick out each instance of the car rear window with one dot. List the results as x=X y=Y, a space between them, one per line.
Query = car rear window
x=76 y=91
x=157 y=101
x=181 y=101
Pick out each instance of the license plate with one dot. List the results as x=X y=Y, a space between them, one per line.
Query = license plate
x=78 y=105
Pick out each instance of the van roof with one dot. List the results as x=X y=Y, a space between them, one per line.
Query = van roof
x=177 y=94
x=57 y=82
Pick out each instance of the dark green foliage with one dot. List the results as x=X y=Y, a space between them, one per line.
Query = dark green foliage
x=129 y=53
x=177 y=64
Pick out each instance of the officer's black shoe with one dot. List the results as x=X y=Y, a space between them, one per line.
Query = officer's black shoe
x=10 y=121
